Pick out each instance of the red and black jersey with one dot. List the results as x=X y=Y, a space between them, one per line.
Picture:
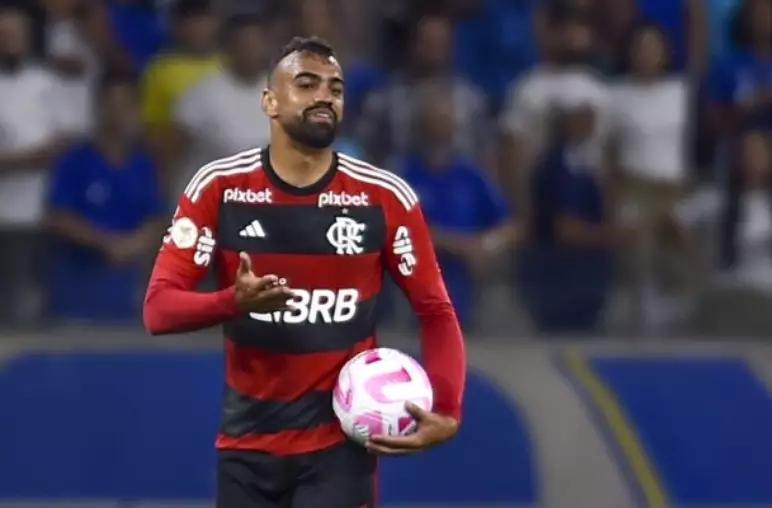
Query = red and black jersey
x=332 y=241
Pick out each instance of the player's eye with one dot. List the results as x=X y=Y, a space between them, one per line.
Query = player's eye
x=337 y=92
x=305 y=84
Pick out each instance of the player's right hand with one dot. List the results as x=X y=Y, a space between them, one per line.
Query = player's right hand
x=259 y=294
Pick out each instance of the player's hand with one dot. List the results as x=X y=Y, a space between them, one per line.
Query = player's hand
x=433 y=429
x=259 y=294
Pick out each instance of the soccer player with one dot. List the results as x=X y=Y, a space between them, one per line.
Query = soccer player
x=324 y=227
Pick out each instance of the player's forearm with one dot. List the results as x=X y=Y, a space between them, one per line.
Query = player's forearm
x=444 y=356
x=170 y=307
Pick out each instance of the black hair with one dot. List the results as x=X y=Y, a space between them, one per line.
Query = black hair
x=313 y=44
x=190 y=8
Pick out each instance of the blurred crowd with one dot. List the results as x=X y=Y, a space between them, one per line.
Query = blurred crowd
x=600 y=166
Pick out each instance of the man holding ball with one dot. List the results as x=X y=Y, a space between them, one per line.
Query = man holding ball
x=321 y=227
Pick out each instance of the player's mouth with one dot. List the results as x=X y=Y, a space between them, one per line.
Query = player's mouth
x=321 y=115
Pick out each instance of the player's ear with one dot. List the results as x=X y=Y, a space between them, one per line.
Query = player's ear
x=270 y=106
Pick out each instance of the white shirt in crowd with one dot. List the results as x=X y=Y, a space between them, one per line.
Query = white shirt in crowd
x=223 y=116
x=27 y=121
x=73 y=96
x=647 y=122
x=532 y=99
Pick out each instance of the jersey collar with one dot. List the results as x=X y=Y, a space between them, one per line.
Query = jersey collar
x=314 y=188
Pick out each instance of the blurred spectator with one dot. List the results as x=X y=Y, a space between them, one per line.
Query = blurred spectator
x=615 y=21
x=564 y=77
x=564 y=276
x=28 y=142
x=188 y=61
x=720 y=14
x=647 y=119
x=469 y=218
x=385 y=126
x=222 y=115
x=139 y=29
x=74 y=61
x=104 y=210
x=747 y=221
x=494 y=42
x=740 y=85
x=648 y=114
x=737 y=300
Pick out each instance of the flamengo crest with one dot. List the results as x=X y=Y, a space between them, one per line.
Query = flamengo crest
x=345 y=234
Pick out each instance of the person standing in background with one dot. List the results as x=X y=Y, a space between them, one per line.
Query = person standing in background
x=565 y=76
x=104 y=207
x=171 y=74
x=469 y=218
x=28 y=143
x=222 y=114
x=740 y=85
x=647 y=126
x=384 y=126
x=565 y=272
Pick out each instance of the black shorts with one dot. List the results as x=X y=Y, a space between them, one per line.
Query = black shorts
x=343 y=476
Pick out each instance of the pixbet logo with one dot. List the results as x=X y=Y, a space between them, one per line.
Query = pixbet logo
x=316 y=306
x=343 y=199
x=204 y=248
x=247 y=196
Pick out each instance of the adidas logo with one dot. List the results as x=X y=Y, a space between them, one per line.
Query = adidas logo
x=252 y=230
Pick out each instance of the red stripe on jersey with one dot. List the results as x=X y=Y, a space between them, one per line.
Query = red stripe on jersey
x=281 y=376
x=305 y=271
x=286 y=442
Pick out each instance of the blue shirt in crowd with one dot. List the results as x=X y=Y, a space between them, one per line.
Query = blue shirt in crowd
x=564 y=288
x=139 y=29
x=563 y=186
x=458 y=198
x=738 y=76
x=114 y=200
x=494 y=46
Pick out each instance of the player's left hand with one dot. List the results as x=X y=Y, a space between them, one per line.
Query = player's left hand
x=433 y=429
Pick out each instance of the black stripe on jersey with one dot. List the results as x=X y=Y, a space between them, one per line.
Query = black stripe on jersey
x=246 y=415
x=298 y=229
x=304 y=337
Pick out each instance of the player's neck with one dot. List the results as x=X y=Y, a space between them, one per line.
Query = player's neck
x=296 y=164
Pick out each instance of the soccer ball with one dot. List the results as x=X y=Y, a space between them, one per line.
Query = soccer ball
x=372 y=390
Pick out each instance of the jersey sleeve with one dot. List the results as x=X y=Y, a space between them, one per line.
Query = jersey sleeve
x=412 y=263
x=172 y=303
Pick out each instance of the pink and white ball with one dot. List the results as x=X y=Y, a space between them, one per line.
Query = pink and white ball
x=372 y=390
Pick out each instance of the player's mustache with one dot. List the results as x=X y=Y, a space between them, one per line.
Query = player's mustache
x=320 y=107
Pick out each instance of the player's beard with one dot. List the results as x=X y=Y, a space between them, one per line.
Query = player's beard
x=313 y=134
